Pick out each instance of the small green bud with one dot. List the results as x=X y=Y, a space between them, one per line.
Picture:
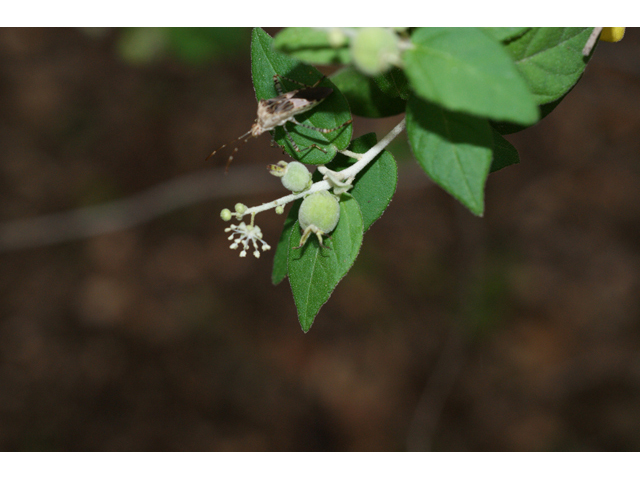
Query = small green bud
x=280 y=209
x=297 y=177
x=240 y=208
x=375 y=50
x=225 y=214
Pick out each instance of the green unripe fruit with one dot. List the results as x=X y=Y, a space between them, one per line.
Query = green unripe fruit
x=375 y=50
x=297 y=177
x=320 y=210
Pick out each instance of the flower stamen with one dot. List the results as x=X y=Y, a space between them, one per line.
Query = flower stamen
x=247 y=234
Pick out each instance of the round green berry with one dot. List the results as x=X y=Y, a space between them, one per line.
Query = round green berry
x=225 y=214
x=297 y=177
x=375 y=50
x=320 y=210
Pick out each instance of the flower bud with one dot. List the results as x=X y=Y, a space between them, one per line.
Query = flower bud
x=240 y=208
x=225 y=214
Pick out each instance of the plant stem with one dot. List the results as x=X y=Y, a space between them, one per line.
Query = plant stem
x=367 y=157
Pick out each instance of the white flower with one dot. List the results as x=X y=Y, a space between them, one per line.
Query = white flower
x=247 y=233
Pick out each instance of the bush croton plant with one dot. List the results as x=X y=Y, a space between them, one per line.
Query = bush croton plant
x=460 y=90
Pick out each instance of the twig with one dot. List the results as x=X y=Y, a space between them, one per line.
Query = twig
x=132 y=211
x=593 y=38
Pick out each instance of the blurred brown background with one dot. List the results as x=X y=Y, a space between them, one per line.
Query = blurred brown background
x=517 y=331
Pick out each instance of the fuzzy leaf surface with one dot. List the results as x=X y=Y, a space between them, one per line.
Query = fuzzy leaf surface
x=330 y=113
x=454 y=148
x=550 y=60
x=314 y=272
x=465 y=70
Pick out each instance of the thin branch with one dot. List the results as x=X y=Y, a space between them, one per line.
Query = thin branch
x=132 y=211
x=366 y=158
x=593 y=38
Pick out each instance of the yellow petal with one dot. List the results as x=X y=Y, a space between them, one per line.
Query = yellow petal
x=612 y=34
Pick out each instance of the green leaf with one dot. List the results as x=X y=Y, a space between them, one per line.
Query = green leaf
x=453 y=148
x=462 y=69
x=314 y=272
x=503 y=34
x=330 y=113
x=504 y=154
x=280 y=258
x=550 y=60
x=533 y=69
x=393 y=83
x=364 y=96
x=312 y=45
x=375 y=185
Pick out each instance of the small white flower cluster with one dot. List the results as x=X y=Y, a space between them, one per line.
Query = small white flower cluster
x=246 y=234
